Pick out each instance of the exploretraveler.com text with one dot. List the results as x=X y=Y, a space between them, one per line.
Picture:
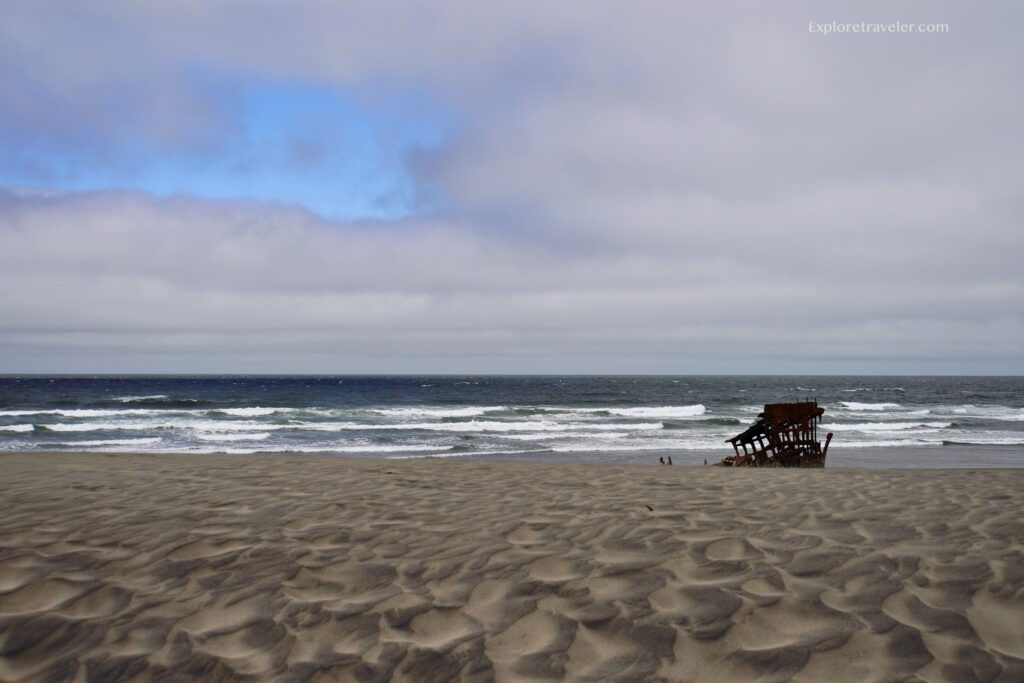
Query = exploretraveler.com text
x=867 y=27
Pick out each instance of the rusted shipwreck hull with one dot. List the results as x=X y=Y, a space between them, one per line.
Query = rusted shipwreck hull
x=785 y=435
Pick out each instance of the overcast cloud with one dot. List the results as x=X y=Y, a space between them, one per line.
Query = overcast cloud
x=537 y=187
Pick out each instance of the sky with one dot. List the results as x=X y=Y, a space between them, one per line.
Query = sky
x=532 y=187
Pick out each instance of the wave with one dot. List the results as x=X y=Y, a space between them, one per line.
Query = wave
x=649 y=445
x=217 y=426
x=886 y=426
x=854 y=405
x=908 y=443
x=998 y=413
x=229 y=426
x=17 y=428
x=258 y=436
x=325 y=448
x=199 y=425
x=115 y=442
x=389 y=449
x=668 y=412
x=538 y=436
x=84 y=412
x=469 y=411
x=708 y=422
x=104 y=412
x=100 y=426
x=135 y=399
x=665 y=411
x=972 y=441
x=250 y=412
x=475 y=426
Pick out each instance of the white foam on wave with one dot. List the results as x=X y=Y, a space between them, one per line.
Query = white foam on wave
x=421 y=412
x=388 y=449
x=250 y=412
x=230 y=426
x=258 y=436
x=101 y=426
x=646 y=445
x=880 y=443
x=130 y=399
x=116 y=442
x=996 y=413
x=540 y=436
x=95 y=412
x=965 y=440
x=128 y=425
x=886 y=426
x=17 y=428
x=105 y=412
x=323 y=448
x=666 y=412
x=477 y=426
x=854 y=405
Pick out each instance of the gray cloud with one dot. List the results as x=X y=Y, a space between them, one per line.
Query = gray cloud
x=650 y=188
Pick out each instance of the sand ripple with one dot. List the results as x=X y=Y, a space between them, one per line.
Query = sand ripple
x=306 y=569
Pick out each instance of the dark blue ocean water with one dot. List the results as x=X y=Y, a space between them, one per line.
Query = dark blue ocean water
x=925 y=421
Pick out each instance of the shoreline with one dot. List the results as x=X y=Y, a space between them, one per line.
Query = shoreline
x=224 y=567
x=948 y=456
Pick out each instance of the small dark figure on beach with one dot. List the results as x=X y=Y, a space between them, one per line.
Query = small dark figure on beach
x=662 y=460
x=670 y=460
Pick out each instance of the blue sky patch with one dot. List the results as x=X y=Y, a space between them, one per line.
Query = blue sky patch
x=335 y=153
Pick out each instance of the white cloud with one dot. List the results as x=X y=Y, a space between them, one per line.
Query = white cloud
x=629 y=188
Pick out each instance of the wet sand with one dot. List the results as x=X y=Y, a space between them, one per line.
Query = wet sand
x=216 y=567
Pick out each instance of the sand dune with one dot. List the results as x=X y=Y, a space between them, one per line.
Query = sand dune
x=319 y=569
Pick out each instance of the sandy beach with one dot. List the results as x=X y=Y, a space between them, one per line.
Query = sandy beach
x=215 y=567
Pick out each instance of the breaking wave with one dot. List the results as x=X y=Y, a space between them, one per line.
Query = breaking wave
x=249 y=412
x=257 y=436
x=886 y=426
x=115 y=442
x=469 y=411
x=854 y=405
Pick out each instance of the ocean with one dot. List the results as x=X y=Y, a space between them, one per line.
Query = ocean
x=877 y=421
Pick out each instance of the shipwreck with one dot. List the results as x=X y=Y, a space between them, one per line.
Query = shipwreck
x=784 y=435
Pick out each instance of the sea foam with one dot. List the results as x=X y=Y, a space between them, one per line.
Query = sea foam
x=854 y=405
x=886 y=426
